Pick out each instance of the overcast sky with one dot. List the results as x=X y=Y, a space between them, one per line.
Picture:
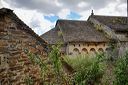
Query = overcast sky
x=41 y=15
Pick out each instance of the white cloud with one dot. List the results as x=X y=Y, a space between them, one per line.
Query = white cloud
x=1 y=4
x=63 y=13
x=85 y=15
x=44 y=6
x=58 y=4
x=55 y=6
x=29 y=16
x=25 y=15
x=4 y=4
x=122 y=9
x=82 y=4
x=32 y=11
x=113 y=9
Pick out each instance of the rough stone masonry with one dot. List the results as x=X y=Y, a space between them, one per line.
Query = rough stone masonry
x=15 y=38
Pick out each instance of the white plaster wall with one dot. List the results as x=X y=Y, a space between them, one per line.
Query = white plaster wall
x=71 y=47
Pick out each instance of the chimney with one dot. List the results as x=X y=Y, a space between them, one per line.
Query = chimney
x=92 y=13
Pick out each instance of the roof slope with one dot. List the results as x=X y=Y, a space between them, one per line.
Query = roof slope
x=117 y=23
x=74 y=31
x=80 y=31
x=52 y=36
x=20 y=24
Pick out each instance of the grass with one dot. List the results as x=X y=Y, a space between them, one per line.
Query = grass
x=89 y=69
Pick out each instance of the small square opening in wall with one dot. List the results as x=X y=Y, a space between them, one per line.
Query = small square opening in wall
x=104 y=44
x=88 y=45
x=3 y=60
x=96 y=44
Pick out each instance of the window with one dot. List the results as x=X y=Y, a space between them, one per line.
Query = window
x=92 y=50
x=62 y=53
x=107 y=49
x=2 y=60
x=75 y=51
x=96 y=44
x=74 y=45
x=12 y=28
x=84 y=51
x=100 y=50
x=104 y=44
x=79 y=45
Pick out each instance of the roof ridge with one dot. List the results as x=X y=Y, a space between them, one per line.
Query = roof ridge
x=70 y=20
x=109 y=16
x=5 y=9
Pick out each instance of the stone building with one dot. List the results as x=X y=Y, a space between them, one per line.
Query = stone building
x=77 y=37
x=93 y=35
x=115 y=28
x=15 y=38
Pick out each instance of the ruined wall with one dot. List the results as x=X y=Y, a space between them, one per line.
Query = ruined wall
x=14 y=63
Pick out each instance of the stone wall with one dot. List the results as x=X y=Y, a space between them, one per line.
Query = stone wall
x=122 y=47
x=120 y=38
x=14 y=63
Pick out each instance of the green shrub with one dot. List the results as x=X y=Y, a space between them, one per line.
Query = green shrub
x=28 y=80
x=121 y=70
x=56 y=60
x=54 y=68
x=89 y=69
x=54 y=57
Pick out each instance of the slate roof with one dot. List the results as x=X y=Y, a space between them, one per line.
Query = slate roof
x=21 y=25
x=75 y=31
x=117 y=23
